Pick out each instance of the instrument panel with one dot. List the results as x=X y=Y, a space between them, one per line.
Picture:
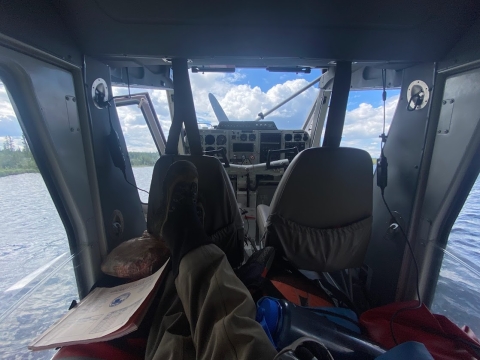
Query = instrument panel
x=252 y=146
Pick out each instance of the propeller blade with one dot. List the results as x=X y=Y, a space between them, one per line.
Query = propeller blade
x=217 y=108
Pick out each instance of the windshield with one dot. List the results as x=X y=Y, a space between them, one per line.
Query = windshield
x=247 y=92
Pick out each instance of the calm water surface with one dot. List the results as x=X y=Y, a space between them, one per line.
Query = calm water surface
x=36 y=271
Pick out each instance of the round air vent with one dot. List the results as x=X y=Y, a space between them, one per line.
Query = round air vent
x=418 y=95
x=100 y=94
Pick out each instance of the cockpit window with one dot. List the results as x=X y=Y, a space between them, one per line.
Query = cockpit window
x=364 y=119
x=457 y=295
x=247 y=92
x=141 y=147
x=37 y=282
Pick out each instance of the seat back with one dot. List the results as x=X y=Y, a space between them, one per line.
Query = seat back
x=223 y=222
x=321 y=213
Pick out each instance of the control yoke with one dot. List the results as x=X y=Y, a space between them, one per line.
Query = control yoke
x=252 y=168
x=274 y=164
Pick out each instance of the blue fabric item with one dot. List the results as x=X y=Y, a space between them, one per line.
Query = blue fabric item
x=268 y=313
x=330 y=312
x=261 y=320
x=409 y=350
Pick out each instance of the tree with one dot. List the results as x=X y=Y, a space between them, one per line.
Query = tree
x=8 y=144
x=25 y=148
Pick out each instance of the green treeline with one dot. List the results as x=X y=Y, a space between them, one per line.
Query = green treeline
x=16 y=160
x=19 y=160
x=143 y=158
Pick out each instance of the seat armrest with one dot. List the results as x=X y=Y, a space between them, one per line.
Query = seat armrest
x=263 y=211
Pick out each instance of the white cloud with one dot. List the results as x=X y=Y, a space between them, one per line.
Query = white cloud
x=366 y=121
x=244 y=102
x=8 y=121
x=364 y=124
x=135 y=130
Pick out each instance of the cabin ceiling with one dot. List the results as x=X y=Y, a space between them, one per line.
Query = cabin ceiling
x=255 y=32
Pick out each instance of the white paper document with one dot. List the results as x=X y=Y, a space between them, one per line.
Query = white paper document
x=100 y=315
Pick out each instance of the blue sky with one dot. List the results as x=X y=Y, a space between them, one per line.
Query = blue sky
x=266 y=80
x=243 y=95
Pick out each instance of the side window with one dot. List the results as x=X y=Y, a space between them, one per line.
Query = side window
x=364 y=119
x=458 y=289
x=141 y=147
x=37 y=281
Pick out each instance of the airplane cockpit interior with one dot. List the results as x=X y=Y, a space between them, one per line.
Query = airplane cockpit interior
x=350 y=243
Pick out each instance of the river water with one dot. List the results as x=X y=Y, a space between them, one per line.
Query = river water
x=37 y=283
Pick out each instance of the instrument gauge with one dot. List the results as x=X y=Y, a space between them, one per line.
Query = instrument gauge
x=221 y=140
x=209 y=139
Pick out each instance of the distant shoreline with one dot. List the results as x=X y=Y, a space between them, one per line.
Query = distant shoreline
x=17 y=161
x=10 y=172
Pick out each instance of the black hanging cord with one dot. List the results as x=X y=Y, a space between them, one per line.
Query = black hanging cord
x=384 y=98
x=419 y=304
x=100 y=98
x=117 y=155
x=415 y=99
x=382 y=183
